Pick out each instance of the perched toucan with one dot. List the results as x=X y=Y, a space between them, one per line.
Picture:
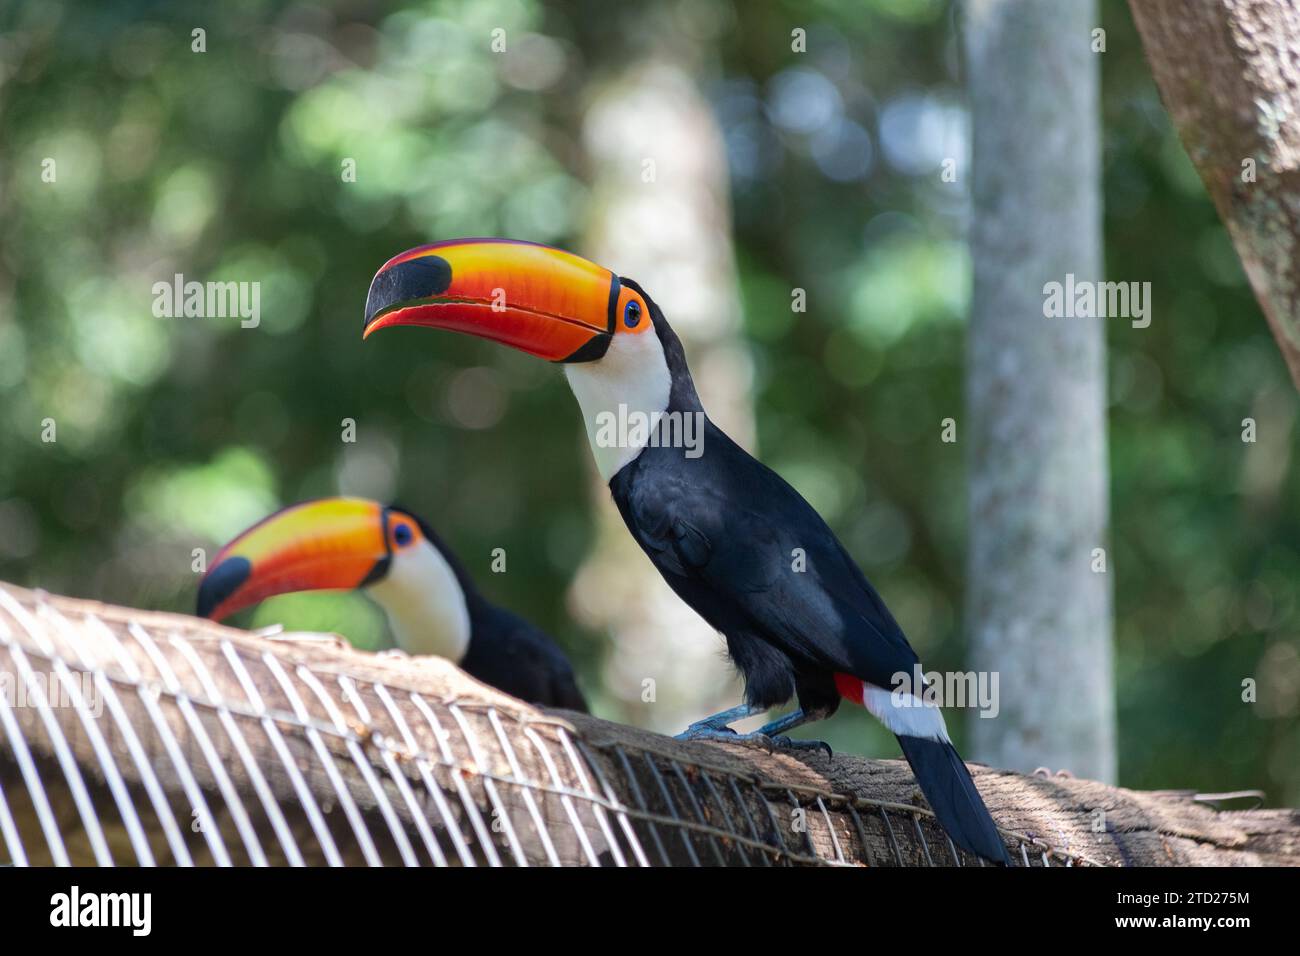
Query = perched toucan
x=429 y=599
x=730 y=536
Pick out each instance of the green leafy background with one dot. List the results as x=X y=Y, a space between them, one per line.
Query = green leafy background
x=176 y=433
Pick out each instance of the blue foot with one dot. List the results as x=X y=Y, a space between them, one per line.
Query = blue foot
x=716 y=724
x=727 y=735
x=770 y=736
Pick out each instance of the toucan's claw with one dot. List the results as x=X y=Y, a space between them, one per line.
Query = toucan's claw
x=715 y=728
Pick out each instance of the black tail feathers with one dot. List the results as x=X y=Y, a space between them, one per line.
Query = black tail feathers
x=946 y=783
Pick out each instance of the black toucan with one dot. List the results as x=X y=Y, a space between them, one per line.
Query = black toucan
x=430 y=601
x=730 y=536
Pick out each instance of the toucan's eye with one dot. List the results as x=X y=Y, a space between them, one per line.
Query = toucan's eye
x=632 y=314
x=402 y=535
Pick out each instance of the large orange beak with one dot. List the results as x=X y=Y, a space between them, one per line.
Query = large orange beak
x=332 y=543
x=544 y=301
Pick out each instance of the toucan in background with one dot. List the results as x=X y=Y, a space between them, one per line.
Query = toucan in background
x=430 y=601
x=722 y=528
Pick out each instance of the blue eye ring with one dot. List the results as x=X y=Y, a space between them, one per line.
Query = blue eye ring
x=632 y=313
x=402 y=535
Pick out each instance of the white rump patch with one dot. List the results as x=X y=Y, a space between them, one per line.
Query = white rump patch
x=905 y=715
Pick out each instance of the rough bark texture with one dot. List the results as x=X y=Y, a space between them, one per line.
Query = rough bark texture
x=1085 y=820
x=410 y=760
x=1038 y=614
x=1229 y=74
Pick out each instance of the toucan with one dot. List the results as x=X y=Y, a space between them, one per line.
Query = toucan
x=728 y=534
x=393 y=555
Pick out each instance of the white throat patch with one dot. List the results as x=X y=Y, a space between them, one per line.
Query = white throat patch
x=634 y=374
x=425 y=604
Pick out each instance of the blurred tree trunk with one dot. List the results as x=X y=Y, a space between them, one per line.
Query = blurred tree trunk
x=662 y=216
x=1229 y=74
x=1038 y=612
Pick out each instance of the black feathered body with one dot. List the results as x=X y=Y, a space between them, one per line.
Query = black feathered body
x=738 y=544
x=752 y=557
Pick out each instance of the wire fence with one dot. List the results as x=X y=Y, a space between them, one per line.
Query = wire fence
x=128 y=737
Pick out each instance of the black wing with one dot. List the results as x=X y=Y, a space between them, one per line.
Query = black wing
x=745 y=549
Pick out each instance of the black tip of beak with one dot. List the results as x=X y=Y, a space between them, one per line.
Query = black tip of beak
x=221 y=582
x=407 y=281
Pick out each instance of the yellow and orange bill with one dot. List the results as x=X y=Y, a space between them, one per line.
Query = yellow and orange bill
x=544 y=301
x=328 y=544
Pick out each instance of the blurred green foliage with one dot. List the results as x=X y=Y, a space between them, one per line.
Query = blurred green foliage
x=173 y=434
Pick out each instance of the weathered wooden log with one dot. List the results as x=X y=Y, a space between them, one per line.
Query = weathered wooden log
x=130 y=736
